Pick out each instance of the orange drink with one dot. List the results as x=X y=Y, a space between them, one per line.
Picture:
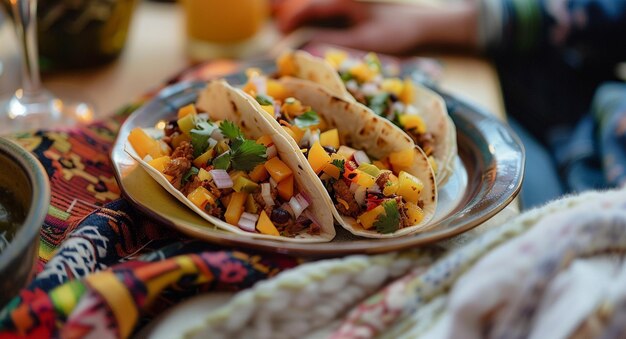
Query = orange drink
x=223 y=28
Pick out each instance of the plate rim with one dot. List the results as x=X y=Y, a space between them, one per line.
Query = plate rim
x=327 y=249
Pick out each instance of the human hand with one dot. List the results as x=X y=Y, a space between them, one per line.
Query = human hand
x=386 y=28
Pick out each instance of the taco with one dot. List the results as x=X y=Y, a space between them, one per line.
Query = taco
x=235 y=170
x=417 y=110
x=377 y=182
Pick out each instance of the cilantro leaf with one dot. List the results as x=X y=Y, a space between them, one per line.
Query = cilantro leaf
x=247 y=155
x=378 y=103
x=200 y=142
x=346 y=76
x=388 y=222
x=339 y=163
x=264 y=100
x=222 y=161
x=308 y=119
x=230 y=130
x=192 y=171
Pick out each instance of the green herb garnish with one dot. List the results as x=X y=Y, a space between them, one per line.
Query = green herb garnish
x=346 y=76
x=388 y=222
x=192 y=171
x=378 y=103
x=264 y=100
x=308 y=119
x=201 y=136
x=244 y=154
x=341 y=164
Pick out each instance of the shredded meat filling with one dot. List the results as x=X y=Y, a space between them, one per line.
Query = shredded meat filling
x=258 y=198
x=180 y=163
x=346 y=204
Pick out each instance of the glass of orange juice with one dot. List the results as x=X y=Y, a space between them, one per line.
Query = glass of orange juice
x=225 y=28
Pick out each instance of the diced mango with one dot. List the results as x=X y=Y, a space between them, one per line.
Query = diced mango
x=409 y=187
x=364 y=179
x=392 y=85
x=243 y=184
x=265 y=225
x=179 y=138
x=235 y=207
x=391 y=187
x=330 y=138
x=285 y=188
x=259 y=174
x=265 y=140
x=144 y=144
x=201 y=197
x=414 y=213
x=187 y=123
x=204 y=158
x=368 y=218
x=160 y=163
x=289 y=131
x=318 y=158
x=234 y=175
x=402 y=159
x=293 y=107
x=185 y=110
x=221 y=147
x=250 y=88
x=408 y=92
x=298 y=133
x=276 y=90
x=204 y=175
x=332 y=170
x=278 y=169
x=335 y=57
x=362 y=72
x=286 y=65
x=412 y=121
x=269 y=109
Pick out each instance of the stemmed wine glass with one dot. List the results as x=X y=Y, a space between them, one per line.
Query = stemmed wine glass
x=32 y=106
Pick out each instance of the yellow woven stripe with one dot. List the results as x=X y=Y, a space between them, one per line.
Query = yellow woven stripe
x=65 y=297
x=118 y=298
x=157 y=284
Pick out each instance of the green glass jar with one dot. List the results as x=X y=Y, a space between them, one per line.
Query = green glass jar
x=75 y=34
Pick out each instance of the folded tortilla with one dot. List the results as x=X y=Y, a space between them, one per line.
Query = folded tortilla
x=222 y=102
x=431 y=106
x=362 y=130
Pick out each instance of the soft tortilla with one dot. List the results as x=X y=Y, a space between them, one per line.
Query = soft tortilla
x=223 y=102
x=429 y=104
x=360 y=129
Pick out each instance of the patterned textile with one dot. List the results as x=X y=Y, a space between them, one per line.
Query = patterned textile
x=102 y=265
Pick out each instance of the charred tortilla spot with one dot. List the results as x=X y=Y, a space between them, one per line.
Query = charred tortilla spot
x=300 y=167
x=381 y=142
x=233 y=105
x=243 y=124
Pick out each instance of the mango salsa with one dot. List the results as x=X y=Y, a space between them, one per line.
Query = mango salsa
x=277 y=169
x=393 y=85
x=392 y=186
x=318 y=158
x=336 y=57
x=368 y=218
x=235 y=207
x=243 y=184
x=362 y=72
x=414 y=213
x=259 y=173
x=276 y=90
x=409 y=187
x=201 y=197
x=186 y=110
x=412 y=121
x=144 y=144
x=204 y=158
x=251 y=205
x=297 y=133
x=285 y=188
x=265 y=140
x=330 y=138
x=332 y=170
x=402 y=159
x=160 y=163
x=408 y=92
x=292 y=107
x=187 y=123
x=204 y=175
x=269 y=109
x=286 y=65
x=265 y=225
x=364 y=179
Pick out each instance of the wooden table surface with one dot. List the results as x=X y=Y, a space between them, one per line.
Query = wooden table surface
x=155 y=50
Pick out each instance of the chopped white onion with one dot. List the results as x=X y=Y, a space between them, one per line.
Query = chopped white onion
x=374 y=189
x=260 y=82
x=410 y=109
x=271 y=152
x=306 y=137
x=266 y=194
x=352 y=85
x=217 y=135
x=315 y=137
x=353 y=187
x=221 y=178
x=204 y=116
x=398 y=106
x=360 y=194
x=369 y=89
x=273 y=182
x=247 y=222
x=276 y=109
x=361 y=158
x=298 y=204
